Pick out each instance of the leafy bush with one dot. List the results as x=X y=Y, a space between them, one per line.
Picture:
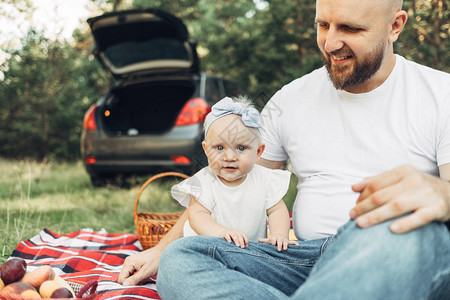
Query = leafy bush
x=47 y=87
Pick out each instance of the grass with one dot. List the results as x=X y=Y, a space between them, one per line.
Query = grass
x=59 y=196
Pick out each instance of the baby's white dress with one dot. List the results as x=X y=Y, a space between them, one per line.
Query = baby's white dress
x=242 y=207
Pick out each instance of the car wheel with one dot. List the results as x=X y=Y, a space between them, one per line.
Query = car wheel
x=102 y=180
x=98 y=180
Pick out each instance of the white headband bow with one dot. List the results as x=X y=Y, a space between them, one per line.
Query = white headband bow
x=226 y=106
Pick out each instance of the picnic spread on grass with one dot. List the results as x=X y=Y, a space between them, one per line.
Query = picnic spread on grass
x=87 y=259
x=87 y=256
x=90 y=261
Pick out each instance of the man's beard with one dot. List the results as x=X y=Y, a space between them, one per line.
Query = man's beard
x=363 y=68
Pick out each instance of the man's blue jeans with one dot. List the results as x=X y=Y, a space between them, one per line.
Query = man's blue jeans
x=370 y=263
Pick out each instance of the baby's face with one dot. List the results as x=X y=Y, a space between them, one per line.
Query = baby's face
x=232 y=149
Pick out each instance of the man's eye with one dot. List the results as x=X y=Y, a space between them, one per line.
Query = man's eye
x=219 y=147
x=241 y=148
x=322 y=25
x=351 y=29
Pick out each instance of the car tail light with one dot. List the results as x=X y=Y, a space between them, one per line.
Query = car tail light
x=90 y=160
x=183 y=160
x=89 y=119
x=194 y=111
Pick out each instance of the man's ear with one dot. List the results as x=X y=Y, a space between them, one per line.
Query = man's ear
x=260 y=150
x=397 y=25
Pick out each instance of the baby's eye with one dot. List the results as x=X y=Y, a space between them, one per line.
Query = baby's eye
x=241 y=148
x=220 y=147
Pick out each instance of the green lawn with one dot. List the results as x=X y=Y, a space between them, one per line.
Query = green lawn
x=60 y=197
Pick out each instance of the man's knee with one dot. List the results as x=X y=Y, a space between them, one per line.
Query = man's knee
x=178 y=260
x=178 y=249
x=173 y=263
x=169 y=255
x=182 y=252
x=398 y=263
x=381 y=232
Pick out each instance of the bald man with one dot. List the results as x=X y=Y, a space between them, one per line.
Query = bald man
x=368 y=136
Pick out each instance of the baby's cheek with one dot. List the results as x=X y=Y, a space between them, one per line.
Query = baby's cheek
x=214 y=156
x=214 y=163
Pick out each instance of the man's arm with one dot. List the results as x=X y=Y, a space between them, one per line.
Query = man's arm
x=444 y=172
x=271 y=164
x=400 y=191
x=144 y=264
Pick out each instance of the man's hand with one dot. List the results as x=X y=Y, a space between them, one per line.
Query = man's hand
x=239 y=238
x=145 y=264
x=400 y=191
x=279 y=240
x=139 y=266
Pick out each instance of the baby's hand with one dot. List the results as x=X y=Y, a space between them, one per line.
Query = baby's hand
x=279 y=240
x=239 y=238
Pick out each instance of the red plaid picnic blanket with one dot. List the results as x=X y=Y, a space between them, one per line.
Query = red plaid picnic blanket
x=85 y=255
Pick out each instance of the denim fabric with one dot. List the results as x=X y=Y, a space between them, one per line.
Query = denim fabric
x=357 y=263
x=374 y=263
x=204 y=267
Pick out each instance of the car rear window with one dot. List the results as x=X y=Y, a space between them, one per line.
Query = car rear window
x=128 y=53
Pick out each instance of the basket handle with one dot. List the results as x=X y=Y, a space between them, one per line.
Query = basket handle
x=91 y=285
x=150 y=180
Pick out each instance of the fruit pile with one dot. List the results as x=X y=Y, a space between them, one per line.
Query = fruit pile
x=39 y=283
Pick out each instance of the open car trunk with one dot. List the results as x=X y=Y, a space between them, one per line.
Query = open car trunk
x=139 y=42
x=145 y=108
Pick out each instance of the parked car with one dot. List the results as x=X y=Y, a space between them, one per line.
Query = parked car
x=151 y=119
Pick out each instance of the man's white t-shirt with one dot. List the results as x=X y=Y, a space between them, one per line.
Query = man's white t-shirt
x=335 y=139
x=241 y=207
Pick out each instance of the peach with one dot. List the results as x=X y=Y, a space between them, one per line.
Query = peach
x=33 y=294
x=13 y=270
x=2 y=284
x=39 y=275
x=48 y=287
x=18 y=287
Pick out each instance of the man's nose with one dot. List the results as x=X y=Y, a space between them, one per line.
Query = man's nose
x=333 y=40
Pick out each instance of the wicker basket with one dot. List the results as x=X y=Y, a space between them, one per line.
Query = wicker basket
x=152 y=227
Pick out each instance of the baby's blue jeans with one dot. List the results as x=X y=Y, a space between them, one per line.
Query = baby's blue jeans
x=370 y=263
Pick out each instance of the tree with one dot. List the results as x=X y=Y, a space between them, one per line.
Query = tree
x=426 y=38
x=13 y=13
x=46 y=89
x=263 y=48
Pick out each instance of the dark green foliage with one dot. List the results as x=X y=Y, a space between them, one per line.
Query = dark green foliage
x=47 y=87
x=426 y=38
